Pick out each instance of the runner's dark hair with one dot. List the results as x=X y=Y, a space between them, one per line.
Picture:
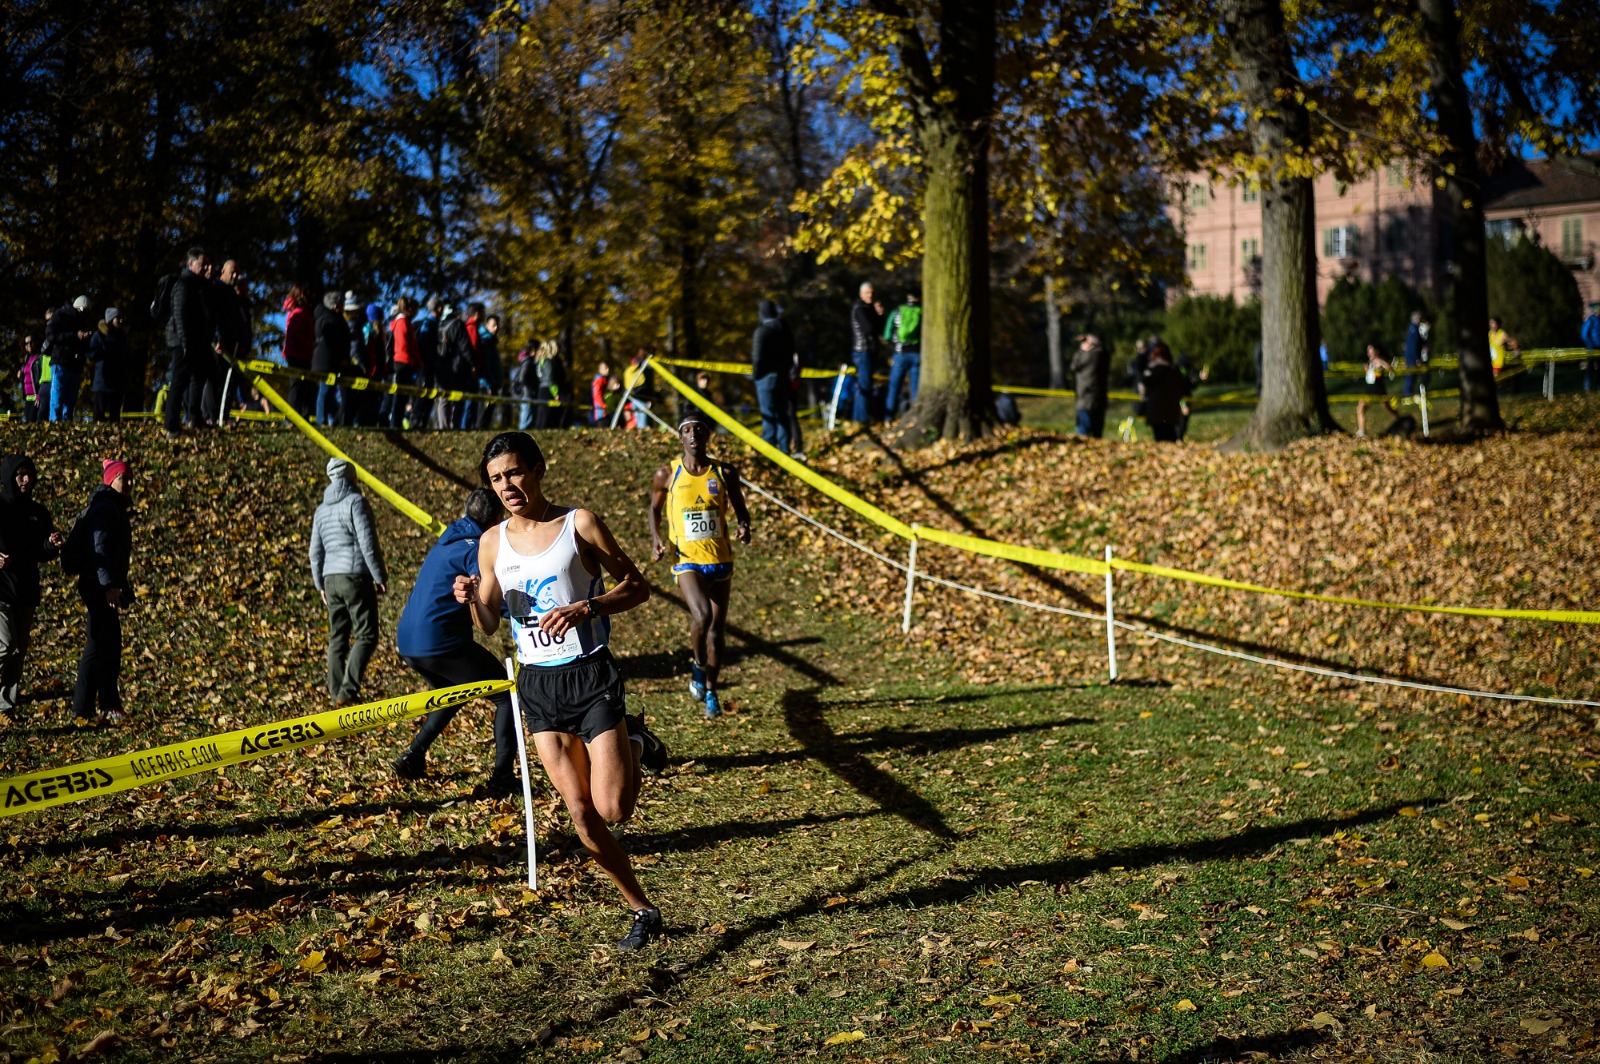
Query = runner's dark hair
x=517 y=443
x=483 y=508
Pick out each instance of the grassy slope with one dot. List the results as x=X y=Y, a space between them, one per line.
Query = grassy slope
x=984 y=850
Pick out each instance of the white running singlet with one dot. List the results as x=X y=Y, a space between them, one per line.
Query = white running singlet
x=534 y=584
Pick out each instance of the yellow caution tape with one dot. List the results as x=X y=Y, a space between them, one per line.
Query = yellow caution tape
x=784 y=462
x=1537 y=356
x=1062 y=393
x=394 y=498
x=1072 y=562
x=1568 y=616
x=742 y=368
x=1047 y=559
x=91 y=779
x=365 y=384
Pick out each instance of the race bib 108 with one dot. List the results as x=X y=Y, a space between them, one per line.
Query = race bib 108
x=536 y=646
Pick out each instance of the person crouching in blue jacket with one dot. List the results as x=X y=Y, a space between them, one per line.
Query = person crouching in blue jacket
x=435 y=638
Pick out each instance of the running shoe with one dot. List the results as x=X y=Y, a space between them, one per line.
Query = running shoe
x=713 y=705
x=646 y=926
x=410 y=767
x=114 y=716
x=697 y=681
x=653 y=756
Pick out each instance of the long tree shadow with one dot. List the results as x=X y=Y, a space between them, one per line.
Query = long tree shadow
x=260 y=825
x=756 y=645
x=686 y=840
x=912 y=741
x=665 y=664
x=1247 y=1047
x=806 y=718
x=403 y=444
x=223 y=893
x=1240 y=846
x=959 y=886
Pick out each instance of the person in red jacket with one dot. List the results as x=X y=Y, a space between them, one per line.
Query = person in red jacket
x=405 y=360
x=299 y=336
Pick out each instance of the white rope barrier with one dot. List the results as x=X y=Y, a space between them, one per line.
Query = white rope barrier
x=1136 y=629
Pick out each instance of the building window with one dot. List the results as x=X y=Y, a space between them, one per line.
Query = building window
x=1339 y=242
x=1251 y=192
x=1394 y=236
x=1249 y=249
x=1199 y=257
x=1572 y=238
x=1506 y=230
x=1199 y=196
x=1394 y=175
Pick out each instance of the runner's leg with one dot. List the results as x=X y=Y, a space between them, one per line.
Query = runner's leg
x=696 y=595
x=716 y=640
x=568 y=764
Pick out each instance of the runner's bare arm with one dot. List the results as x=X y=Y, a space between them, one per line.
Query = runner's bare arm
x=736 y=496
x=598 y=547
x=658 y=499
x=482 y=592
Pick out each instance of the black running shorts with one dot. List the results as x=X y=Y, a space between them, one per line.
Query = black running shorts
x=582 y=698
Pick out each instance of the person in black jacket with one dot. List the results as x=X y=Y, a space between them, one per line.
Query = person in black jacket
x=232 y=338
x=1091 y=372
x=330 y=354
x=66 y=342
x=107 y=552
x=1165 y=388
x=771 y=355
x=109 y=354
x=28 y=537
x=457 y=365
x=191 y=331
x=866 y=323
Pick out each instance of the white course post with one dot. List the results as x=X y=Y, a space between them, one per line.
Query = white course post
x=527 y=779
x=1550 y=380
x=627 y=392
x=1111 y=624
x=911 y=580
x=833 y=406
x=227 y=382
x=1422 y=402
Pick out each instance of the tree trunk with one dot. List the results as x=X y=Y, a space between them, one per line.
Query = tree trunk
x=1052 y=332
x=1458 y=165
x=953 y=396
x=1294 y=397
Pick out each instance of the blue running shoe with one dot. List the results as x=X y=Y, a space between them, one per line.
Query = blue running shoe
x=697 y=681
x=713 y=706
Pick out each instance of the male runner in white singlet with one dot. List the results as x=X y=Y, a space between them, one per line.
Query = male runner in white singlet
x=546 y=564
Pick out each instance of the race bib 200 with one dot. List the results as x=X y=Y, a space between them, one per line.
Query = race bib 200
x=701 y=524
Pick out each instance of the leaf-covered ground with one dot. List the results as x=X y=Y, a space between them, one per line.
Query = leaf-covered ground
x=955 y=844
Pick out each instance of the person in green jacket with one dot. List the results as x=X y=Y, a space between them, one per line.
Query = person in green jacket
x=903 y=329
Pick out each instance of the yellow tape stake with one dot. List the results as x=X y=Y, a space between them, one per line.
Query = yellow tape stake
x=784 y=462
x=394 y=498
x=51 y=787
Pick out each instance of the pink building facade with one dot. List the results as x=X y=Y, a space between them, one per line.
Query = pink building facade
x=1392 y=222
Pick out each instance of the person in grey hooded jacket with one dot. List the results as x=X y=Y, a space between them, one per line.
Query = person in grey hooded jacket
x=347 y=568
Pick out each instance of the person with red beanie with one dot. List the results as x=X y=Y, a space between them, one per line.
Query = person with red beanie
x=104 y=535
